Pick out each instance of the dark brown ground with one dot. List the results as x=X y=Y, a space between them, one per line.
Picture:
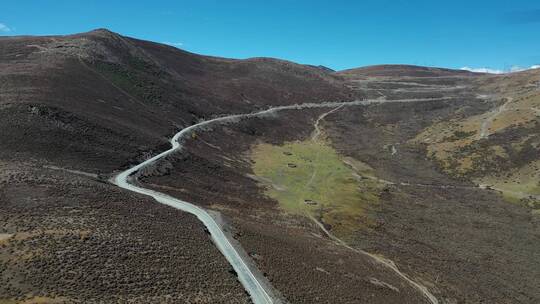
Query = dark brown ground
x=83 y=241
x=302 y=264
x=470 y=243
x=466 y=245
x=99 y=102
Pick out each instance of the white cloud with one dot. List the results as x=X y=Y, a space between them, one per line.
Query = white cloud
x=482 y=70
x=175 y=44
x=516 y=68
x=519 y=69
x=513 y=69
x=4 y=28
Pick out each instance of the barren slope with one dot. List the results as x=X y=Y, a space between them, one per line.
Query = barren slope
x=325 y=201
x=73 y=107
x=124 y=96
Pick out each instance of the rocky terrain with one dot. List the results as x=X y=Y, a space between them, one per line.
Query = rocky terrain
x=392 y=202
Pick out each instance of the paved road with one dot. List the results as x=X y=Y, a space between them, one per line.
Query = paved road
x=259 y=292
x=251 y=283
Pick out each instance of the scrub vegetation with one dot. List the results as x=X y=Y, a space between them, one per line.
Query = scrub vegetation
x=77 y=109
x=498 y=148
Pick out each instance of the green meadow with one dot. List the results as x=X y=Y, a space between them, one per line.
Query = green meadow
x=309 y=178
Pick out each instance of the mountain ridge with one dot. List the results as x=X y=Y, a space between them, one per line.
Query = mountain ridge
x=437 y=176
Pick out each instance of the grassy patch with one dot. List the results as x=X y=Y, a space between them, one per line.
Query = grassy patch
x=521 y=186
x=310 y=178
x=458 y=148
x=36 y=300
x=4 y=237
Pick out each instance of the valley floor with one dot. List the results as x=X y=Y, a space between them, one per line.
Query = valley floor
x=439 y=231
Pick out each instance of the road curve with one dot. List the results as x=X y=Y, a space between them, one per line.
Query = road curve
x=259 y=292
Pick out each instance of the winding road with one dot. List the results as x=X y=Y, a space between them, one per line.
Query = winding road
x=260 y=291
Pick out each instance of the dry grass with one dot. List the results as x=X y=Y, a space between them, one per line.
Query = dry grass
x=518 y=184
x=446 y=141
x=4 y=237
x=36 y=300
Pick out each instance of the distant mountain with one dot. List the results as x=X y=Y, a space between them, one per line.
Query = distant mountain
x=323 y=68
x=403 y=70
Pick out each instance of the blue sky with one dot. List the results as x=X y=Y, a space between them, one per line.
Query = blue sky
x=339 y=34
